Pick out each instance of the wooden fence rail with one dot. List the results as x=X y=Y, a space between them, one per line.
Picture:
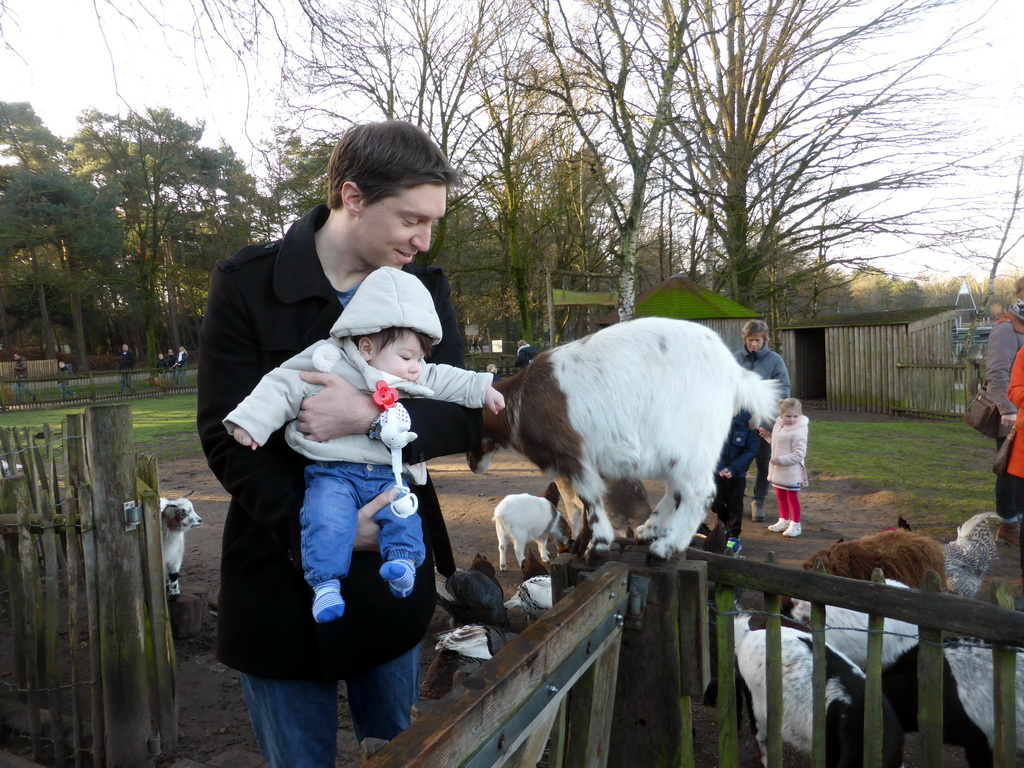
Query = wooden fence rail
x=80 y=543
x=663 y=664
x=504 y=713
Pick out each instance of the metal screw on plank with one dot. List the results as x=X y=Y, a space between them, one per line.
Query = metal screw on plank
x=619 y=620
x=552 y=689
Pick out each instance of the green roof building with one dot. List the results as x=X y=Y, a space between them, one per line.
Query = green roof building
x=682 y=299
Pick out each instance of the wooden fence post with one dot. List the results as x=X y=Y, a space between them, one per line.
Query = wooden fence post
x=122 y=644
x=165 y=705
x=648 y=718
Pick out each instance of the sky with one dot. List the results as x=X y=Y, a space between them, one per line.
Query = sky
x=59 y=58
x=56 y=56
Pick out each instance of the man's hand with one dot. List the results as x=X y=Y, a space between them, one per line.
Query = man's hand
x=338 y=409
x=366 y=529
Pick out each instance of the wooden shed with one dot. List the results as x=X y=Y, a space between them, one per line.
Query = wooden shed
x=681 y=298
x=895 y=361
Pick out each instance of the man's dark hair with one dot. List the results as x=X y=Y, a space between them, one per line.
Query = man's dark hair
x=382 y=159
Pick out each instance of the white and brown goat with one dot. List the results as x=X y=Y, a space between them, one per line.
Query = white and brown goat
x=176 y=517
x=648 y=399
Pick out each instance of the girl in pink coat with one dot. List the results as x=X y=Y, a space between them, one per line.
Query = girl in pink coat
x=786 y=470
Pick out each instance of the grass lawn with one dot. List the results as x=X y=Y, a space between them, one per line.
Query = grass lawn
x=164 y=426
x=939 y=470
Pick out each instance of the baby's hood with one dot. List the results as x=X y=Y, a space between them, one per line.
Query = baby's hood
x=389 y=298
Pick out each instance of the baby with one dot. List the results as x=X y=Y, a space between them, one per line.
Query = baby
x=378 y=344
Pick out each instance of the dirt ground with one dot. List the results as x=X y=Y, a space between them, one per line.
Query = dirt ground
x=214 y=728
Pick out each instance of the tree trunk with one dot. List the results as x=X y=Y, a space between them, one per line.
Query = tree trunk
x=172 y=301
x=49 y=341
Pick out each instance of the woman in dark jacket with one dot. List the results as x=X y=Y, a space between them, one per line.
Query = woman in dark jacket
x=755 y=356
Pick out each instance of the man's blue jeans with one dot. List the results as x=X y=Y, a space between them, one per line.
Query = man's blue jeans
x=296 y=721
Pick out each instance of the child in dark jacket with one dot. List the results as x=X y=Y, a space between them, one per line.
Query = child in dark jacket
x=739 y=451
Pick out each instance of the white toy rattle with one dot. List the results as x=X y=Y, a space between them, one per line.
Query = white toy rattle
x=392 y=427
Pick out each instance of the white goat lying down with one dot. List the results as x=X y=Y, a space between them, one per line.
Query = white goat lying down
x=648 y=399
x=523 y=518
x=844 y=699
x=176 y=517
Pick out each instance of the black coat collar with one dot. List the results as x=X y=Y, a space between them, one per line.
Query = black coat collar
x=298 y=274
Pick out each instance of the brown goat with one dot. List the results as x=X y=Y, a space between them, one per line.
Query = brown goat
x=902 y=555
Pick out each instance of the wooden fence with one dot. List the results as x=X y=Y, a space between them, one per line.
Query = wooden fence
x=647 y=719
x=503 y=714
x=934 y=389
x=88 y=628
x=94 y=387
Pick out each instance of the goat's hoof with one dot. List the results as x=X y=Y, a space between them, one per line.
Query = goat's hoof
x=660 y=552
x=646 y=533
x=595 y=554
x=656 y=559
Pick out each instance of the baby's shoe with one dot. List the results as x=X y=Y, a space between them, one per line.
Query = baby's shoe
x=400 y=576
x=781 y=525
x=792 y=531
x=328 y=603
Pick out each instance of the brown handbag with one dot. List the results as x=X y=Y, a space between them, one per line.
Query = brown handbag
x=983 y=414
x=1003 y=454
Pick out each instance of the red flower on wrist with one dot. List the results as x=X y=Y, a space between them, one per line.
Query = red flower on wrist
x=385 y=397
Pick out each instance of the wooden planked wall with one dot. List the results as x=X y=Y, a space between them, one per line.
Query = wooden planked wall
x=863 y=366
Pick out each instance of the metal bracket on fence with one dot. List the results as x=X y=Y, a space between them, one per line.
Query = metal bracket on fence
x=636 y=601
x=499 y=744
x=132 y=515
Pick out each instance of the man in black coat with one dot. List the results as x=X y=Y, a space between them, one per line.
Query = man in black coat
x=124 y=364
x=387 y=184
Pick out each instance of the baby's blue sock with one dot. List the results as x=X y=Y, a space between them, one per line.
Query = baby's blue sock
x=400 y=575
x=328 y=603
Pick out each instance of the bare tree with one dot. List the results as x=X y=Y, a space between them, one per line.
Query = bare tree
x=615 y=72
x=803 y=123
x=1010 y=237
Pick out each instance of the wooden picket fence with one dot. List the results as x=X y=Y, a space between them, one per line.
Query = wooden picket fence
x=633 y=706
x=87 y=623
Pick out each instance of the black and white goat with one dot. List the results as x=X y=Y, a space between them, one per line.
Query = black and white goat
x=523 y=517
x=846 y=631
x=648 y=399
x=176 y=517
x=844 y=699
x=968 y=711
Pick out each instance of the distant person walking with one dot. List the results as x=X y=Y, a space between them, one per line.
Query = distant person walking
x=21 y=379
x=125 y=363
x=179 y=367
x=755 y=356
x=525 y=354
x=65 y=370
